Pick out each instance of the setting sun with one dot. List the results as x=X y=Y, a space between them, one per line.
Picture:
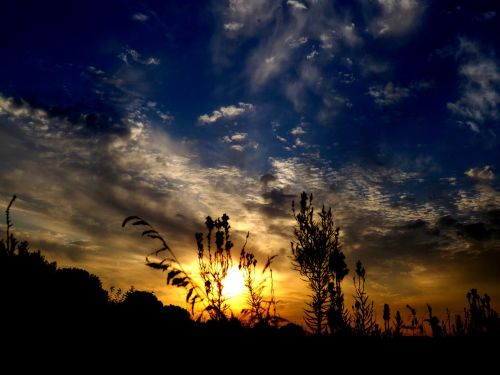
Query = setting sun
x=234 y=284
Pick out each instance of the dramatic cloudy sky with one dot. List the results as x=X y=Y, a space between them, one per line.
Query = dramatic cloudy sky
x=386 y=110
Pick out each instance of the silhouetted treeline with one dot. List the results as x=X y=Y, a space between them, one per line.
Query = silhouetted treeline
x=39 y=297
x=41 y=302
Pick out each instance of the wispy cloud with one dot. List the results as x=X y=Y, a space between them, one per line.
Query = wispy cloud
x=141 y=17
x=483 y=174
x=396 y=17
x=226 y=112
x=236 y=137
x=296 y=5
x=480 y=97
x=136 y=56
x=298 y=130
x=233 y=26
x=390 y=94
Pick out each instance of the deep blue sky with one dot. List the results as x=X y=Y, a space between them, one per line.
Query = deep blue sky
x=386 y=110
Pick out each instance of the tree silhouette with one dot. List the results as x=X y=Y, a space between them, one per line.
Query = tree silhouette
x=316 y=255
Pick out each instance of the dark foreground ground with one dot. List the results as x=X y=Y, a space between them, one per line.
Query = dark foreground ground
x=75 y=347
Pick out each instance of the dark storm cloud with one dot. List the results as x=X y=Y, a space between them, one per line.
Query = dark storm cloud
x=276 y=204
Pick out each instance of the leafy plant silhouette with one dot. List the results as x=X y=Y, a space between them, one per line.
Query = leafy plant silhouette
x=176 y=275
x=313 y=254
x=214 y=261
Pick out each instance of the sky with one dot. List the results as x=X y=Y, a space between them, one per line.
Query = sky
x=385 y=110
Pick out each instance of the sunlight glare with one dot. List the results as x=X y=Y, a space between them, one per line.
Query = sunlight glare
x=234 y=284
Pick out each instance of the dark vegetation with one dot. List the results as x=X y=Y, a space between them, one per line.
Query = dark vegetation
x=41 y=301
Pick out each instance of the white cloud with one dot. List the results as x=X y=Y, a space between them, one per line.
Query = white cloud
x=298 y=130
x=295 y=42
x=22 y=110
x=482 y=174
x=239 y=148
x=473 y=126
x=226 y=112
x=141 y=17
x=233 y=26
x=136 y=56
x=312 y=55
x=165 y=116
x=236 y=137
x=152 y=61
x=299 y=143
x=389 y=94
x=349 y=34
x=480 y=97
x=296 y=5
x=396 y=16
x=246 y=17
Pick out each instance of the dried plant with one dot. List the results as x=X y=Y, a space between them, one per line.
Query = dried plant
x=363 y=309
x=437 y=330
x=214 y=261
x=260 y=311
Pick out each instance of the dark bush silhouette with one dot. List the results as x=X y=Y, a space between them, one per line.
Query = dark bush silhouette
x=142 y=303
